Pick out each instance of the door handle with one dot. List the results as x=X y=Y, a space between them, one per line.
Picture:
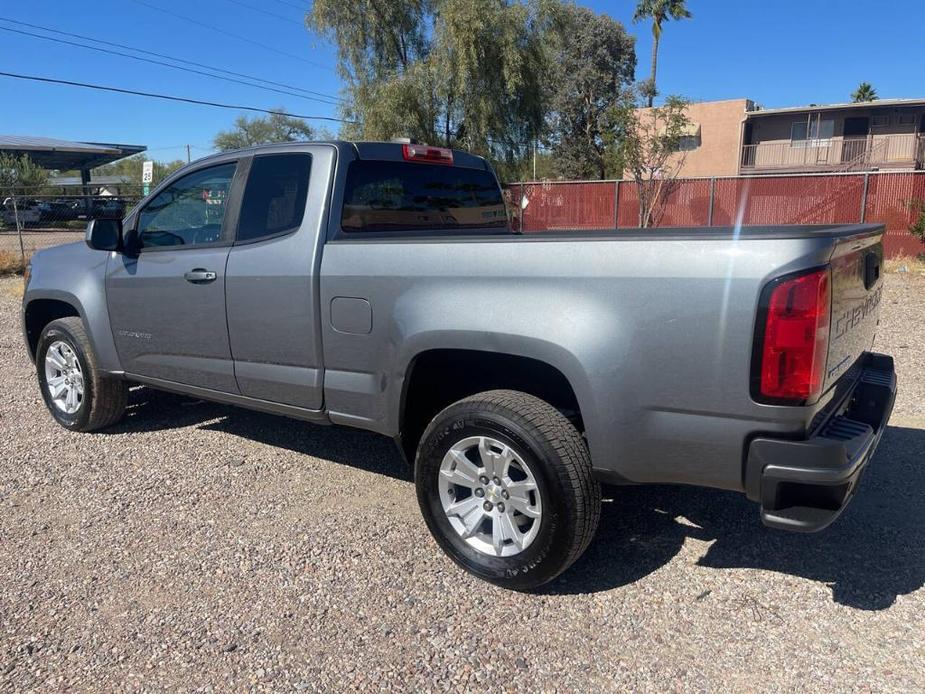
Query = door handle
x=200 y=276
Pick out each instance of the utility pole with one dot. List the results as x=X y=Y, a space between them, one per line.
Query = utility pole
x=188 y=159
x=534 y=159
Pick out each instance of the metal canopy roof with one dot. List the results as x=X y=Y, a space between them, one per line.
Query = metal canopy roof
x=95 y=181
x=50 y=153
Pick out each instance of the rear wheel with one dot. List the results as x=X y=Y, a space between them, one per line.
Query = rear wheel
x=504 y=482
x=76 y=393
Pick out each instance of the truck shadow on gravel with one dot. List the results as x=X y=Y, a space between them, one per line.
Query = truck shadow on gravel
x=152 y=410
x=868 y=557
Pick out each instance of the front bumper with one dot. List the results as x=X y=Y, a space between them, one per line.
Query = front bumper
x=804 y=485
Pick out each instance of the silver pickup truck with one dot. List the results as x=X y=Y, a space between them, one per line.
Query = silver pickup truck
x=379 y=286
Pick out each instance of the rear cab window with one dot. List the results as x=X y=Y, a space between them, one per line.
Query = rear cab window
x=389 y=196
x=275 y=196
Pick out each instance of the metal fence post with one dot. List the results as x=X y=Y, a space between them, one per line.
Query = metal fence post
x=616 y=204
x=22 y=247
x=523 y=210
x=712 y=199
x=864 y=197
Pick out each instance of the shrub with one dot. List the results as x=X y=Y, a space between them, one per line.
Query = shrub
x=11 y=263
x=917 y=227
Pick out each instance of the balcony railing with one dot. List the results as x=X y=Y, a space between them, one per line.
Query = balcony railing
x=836 y=154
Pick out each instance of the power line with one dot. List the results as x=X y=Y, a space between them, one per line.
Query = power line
x=161 y=148
x=229 y=33
x=253 y=8
x=162 y=63
x=304 y=8
x=167 y=97
x=169 y=57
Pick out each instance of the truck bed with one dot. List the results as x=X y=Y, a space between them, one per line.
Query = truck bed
x=656 y=337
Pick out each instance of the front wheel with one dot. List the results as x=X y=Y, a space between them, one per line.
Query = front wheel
x=77 y=394
x=504 y=482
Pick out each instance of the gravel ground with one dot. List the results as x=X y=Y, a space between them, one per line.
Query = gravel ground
x=196 y=546
x=35 y=239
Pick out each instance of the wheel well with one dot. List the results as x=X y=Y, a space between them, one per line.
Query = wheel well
x=40 y=313
x=440 y=377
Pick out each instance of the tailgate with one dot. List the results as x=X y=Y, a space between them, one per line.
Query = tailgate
x=857 y=287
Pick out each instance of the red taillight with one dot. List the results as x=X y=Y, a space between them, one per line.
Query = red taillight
x=426 y=153
x=796 y=339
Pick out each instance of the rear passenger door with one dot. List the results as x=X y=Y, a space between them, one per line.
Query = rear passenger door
x=271 y=285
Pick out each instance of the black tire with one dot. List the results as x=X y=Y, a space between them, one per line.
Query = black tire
x=559 y=460
x=104 y=398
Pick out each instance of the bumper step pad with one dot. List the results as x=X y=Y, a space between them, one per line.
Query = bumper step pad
x=804 y=485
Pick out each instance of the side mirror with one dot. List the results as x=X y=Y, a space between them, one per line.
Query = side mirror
x=104 y=234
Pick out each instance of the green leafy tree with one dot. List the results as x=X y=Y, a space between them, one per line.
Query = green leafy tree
x=380 y=44
x=864 y=92
x=19 y=175
x=490 y=61
x=594 y=64
x=259 y=130
x=659 y=11
x=376 y=39
x=650 y=147
x=467 y=73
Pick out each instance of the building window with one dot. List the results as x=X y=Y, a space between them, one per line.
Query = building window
x=812 y=132
x=880 y=121
x=688 y=143
x=906 y=118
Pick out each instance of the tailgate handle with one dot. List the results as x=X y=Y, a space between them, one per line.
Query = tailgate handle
x=871 y=269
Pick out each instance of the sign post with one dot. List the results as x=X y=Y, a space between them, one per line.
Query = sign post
x=147 y=175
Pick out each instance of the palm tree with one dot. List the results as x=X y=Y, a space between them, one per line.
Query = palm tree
x=864 y=92
x=658 y=11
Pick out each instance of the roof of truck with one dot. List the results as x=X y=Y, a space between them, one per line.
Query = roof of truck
x=363 y=149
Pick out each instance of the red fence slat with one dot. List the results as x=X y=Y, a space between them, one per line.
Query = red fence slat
x=888 y=198
x=755 y=200
x=788 y=200
x=552 y=206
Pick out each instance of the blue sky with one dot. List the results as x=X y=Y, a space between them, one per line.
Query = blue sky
x=782 y=53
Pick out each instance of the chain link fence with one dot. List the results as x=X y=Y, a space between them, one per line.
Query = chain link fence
x=31 y=222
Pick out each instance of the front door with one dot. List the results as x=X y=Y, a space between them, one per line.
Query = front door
x=167 y=301
x=855 y=134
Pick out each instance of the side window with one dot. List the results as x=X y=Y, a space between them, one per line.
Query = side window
x=274 y=199
x=189 y=212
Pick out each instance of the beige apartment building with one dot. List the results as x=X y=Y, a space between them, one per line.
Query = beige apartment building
x=733 y=137
x=870 y=136
x=714 y=137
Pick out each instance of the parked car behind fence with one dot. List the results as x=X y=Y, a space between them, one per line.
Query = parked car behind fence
x=51 y=220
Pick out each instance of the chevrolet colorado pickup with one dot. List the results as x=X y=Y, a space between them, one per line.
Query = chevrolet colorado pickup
x=379 y=286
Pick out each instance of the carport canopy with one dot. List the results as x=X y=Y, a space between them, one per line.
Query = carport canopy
x=63 y=155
